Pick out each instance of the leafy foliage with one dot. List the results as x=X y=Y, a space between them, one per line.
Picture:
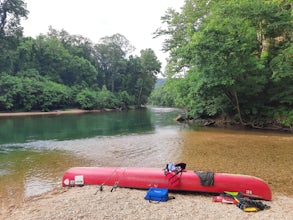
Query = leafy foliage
x=59 y=70
x=11 y=12
x=87 y=99
x=235 y=56
x=31 y=93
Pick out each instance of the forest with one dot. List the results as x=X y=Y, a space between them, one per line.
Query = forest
x=58 y=71
x=230 y=60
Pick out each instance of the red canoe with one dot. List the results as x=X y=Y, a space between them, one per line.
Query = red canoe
x=145 y=178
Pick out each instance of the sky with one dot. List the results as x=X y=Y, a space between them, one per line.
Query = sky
x=136 y=20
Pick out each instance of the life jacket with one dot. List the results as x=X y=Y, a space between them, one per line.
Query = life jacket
x=173 y=172
x=249 y=205
x=246 y=204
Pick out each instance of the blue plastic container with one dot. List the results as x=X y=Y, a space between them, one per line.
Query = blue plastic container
x=157 y=194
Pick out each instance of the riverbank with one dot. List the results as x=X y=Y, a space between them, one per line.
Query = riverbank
x=216 y=122
x=89 y=203
x=231 y=123
x=57 y=112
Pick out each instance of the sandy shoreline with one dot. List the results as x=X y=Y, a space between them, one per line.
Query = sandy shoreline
x=57 y=112
x=88 y=203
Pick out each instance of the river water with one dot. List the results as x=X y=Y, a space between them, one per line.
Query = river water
x=35 y=151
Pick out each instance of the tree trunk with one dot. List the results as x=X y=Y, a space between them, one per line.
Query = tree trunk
x=139 y=98
x=238 y=107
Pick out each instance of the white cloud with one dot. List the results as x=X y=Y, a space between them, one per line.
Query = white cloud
x=94 y=19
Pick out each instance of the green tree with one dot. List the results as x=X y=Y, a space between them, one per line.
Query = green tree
x=106 y=99
x=146 y=81
x=60 y=70
x=124 y=100
x=228 y=48
x=11 y=13
x=31 y=92
x=77 y=45
x=10 y=87
x=111 y=58
x=54 y=96
x=161 y=97
x=141 y=76
x=87 y=99
x=25 y=56
x=56 y=63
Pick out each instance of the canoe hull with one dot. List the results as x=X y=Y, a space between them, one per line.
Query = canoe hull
x=145 y=178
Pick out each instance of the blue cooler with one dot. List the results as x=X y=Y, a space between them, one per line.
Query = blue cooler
x=157 y=194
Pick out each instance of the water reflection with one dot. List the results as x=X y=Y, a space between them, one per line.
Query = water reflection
x=67 y=127
x=77 y=126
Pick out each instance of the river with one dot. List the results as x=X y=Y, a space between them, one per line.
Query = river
x=35 y=151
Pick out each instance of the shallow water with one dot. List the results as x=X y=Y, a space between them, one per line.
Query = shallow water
x=30 y=166
x=263 y=154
